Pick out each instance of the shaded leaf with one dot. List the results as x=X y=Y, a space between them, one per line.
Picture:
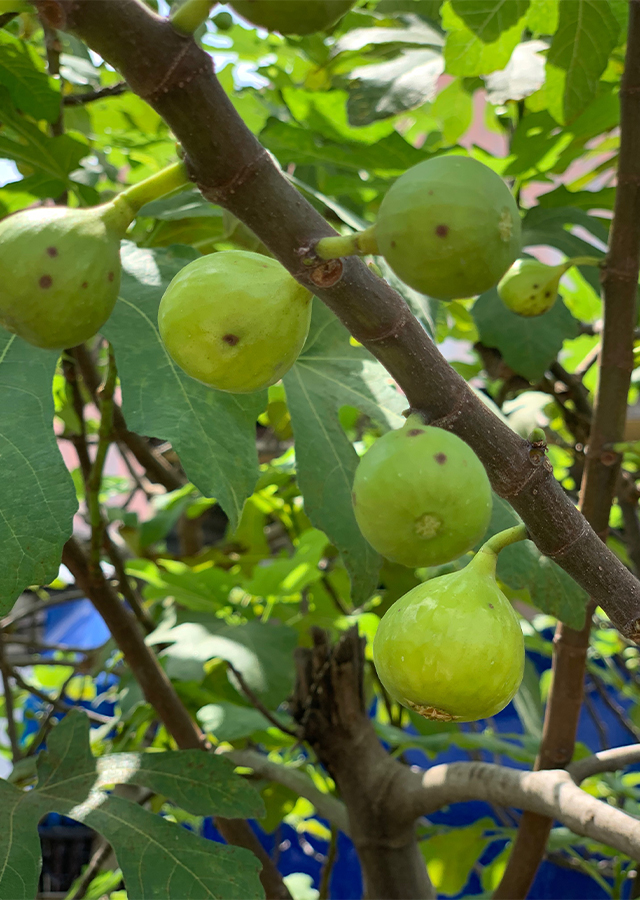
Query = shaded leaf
x=523 y=566
x=527 y=345
x=291 y=144
x=38 y=499
x=328 y=374
x=23 y=75
x=229 y=722
x=466 y=54
x=213 y=432
x=157 y=857
x=261 y=652
x=487 y=19
x=196 y=781
x=24 y=142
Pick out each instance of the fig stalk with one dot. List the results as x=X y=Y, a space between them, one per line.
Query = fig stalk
x=361 y=243
x=163 y=182
x=190 y=15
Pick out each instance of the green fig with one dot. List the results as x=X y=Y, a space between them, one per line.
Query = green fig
x=59 y=273
x=530 y=287
x=449 y=227
x=234 y=320
x=292 y=16
x=223 y=21
x=452 y=649
x=421 y=496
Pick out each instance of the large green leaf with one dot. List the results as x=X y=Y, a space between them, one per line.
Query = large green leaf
x=196 y=781
x=213 y=432
x=37 y=499
x=51 y=158
x=528 y=346
x=261 y=652
x=467 y=54
x=157 y=857
x=291 y=144
x=587 y=33
x=22 y=73
x=489 y=18
x=331 y=373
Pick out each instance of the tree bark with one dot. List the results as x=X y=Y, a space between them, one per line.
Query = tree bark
x=328 y=704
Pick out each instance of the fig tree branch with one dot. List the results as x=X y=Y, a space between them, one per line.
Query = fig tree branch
x=554 y=792
x=326 y=805
x=620 y=288
x=231 y=168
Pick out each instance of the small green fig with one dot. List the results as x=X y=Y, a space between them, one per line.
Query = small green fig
x=449 y=227
x=421 y=496
x=530 y=287
x=452 y=649
x=59 y=273
x=234 y=320
x=292 y=16
x=223 y=21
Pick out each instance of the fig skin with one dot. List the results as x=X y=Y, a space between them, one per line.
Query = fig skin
x=292 y=16
x=452 y=649
x=59 y=274
x=449 y=227
x=234 y=320
x=421 y=496
x=530 y=288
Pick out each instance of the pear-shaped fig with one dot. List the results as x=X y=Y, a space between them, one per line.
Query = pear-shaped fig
x=452 y=649
x=234 y=320
x=421 y=496
x=59 y=273
x=449 y=227
x=530 y=287
x=292 y=16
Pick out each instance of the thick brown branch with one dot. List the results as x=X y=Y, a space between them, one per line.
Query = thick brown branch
x=176 y=77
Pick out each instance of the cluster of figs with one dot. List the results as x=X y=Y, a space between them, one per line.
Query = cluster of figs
x=452 y=648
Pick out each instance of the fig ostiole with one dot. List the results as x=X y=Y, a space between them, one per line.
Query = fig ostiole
x=421 y=496
x=449 y=227
x=234 y=320
x=452 y=649
x=530 y=287
x=300 y=17
x=60 y=268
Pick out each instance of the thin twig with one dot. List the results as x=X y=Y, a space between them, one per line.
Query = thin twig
x=258 y=704
x=327 y=868
x=9 y=707
x=614 y=706
x=113 y=90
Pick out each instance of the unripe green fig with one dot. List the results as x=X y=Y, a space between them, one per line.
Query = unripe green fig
x=452 y=649
x=234 y=320
x=449 y=227
x=421 y=496
x=59 y=273
x=530 y=287
x=223 y=21
x=292 y=16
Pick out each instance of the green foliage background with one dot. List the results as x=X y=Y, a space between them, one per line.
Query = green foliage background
x=531 y=90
